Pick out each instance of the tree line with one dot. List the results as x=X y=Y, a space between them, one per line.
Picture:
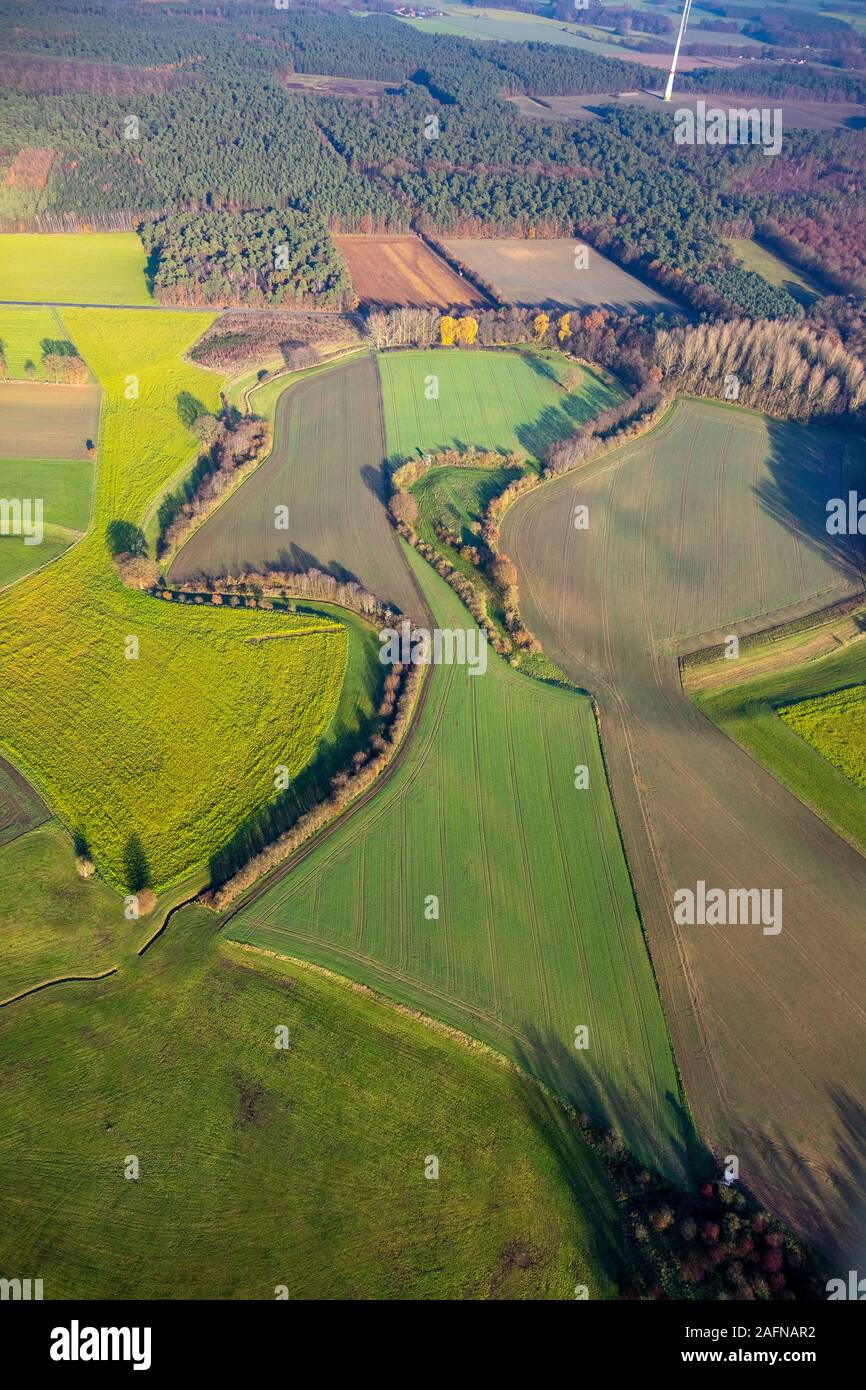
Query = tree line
x=785 y=369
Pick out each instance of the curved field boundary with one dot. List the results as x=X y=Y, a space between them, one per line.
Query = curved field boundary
x=769 y=1031
x=326 y=467
x=533 y=937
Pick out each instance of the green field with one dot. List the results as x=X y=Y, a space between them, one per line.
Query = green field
x=502 y=400
x=262 y=1167
x=835 y=724
x=506 y=26
x=54 y=923
x=65 y=486
x=537 y=932
x=175 y=748
x=73 y=267
x=22 y=332
x=806 y=722
x=775 y=271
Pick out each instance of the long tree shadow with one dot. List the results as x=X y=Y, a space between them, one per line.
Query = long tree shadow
x=576 y=1077
x=135 y=865
x=350 y=730
x=809 y=467
x=689 y=1233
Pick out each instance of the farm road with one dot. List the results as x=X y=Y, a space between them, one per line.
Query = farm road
x=699 y=531
x=168 y=308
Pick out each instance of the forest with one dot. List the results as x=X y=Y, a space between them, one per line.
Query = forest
x=284 y=258
x=444 y=154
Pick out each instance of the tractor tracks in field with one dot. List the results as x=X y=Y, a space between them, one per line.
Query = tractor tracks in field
x=693 y=805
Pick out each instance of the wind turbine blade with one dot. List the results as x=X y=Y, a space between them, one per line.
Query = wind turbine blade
x=669 y=89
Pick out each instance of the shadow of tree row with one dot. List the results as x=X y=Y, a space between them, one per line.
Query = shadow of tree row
x=697 y=1237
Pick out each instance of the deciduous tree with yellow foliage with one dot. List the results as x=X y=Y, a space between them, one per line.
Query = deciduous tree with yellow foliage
x=467 y=331
x=541 y=325
x=564 y=329
x=447 y=330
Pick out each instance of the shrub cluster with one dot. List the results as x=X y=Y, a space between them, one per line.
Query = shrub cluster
x=239 y=445
x=710 y=1241
x=407 y=474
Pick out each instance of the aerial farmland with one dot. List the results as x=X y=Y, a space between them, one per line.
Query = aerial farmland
x=432 y=675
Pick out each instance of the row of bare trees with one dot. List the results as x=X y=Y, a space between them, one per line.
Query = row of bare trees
x=258 y=588
x=777 y=366
x=237 y=447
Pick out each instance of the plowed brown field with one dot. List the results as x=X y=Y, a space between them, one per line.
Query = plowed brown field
x=39 y=421
x=402 y=270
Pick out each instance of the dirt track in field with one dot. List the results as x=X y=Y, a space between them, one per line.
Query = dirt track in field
x=326 y=466
x=41 y=421
x=390 y=271
x=698 y=532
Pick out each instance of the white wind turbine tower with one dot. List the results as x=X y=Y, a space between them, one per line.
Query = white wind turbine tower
x=669 y=89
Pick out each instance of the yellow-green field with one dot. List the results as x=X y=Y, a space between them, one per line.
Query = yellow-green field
x=175 y=747
x=836 y=725
x=73 y=267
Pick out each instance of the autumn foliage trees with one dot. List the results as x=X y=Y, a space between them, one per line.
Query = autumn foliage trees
x=461 y=332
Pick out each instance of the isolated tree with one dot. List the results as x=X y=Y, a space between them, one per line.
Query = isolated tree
x=124 y=538
x=190 y=409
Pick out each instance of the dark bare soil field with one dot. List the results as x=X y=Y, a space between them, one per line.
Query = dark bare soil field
x=20 y=807
x=532 y=271
x=326 y=466
x=698 y=532
x=41 y=421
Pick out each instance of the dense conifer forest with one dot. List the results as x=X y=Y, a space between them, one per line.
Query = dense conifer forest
x=191 y=116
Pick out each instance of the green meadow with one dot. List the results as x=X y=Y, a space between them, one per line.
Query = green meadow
x=510 y=401
x=806 y=722
x=482 y=887
x=22 y=332
x=262 y=1168
x=835 y=724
